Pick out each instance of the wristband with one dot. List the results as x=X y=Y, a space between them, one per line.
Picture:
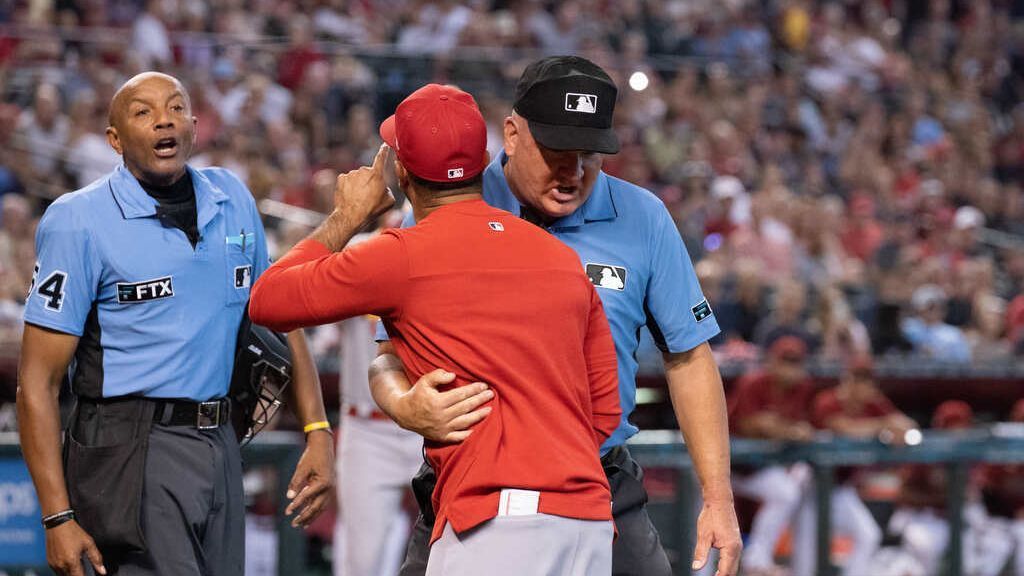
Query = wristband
x=54 y=520
x=321 y=425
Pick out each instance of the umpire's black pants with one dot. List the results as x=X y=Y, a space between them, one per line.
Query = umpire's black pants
x=637 y=550
x=192 y=509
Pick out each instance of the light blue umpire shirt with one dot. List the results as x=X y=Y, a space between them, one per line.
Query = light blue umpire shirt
x=632 y=252
x=155 y=317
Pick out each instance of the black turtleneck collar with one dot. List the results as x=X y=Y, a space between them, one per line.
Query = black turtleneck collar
x=177 y=193
x=177 y=206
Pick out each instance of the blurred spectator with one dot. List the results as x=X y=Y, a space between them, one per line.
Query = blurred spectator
x=862 y=235
x=841 y=334
x=151 y=43
x=42 y=133
x=88 y=155
x=987 y=335
x=930 y=336
x=786 y=317
x=775 y=404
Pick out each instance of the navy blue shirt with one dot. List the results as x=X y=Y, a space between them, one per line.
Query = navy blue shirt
x=154 y=316
x=632 y=252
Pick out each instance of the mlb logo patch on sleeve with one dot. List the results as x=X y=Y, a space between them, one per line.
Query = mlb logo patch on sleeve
x=701 y=311
x=607 y=276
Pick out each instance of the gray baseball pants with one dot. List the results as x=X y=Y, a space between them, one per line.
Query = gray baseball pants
x=532 y=545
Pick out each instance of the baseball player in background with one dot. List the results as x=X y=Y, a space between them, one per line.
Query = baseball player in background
x=1003 y=495
x=922 y=518
x=375 y=460
x=855 y=408
x=774 y=404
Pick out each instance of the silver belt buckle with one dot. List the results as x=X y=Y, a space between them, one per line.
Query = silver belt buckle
x=208 y=412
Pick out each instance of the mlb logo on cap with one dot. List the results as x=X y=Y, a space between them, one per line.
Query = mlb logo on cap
x=443 y=136
x=581 y=103
x=568 y=102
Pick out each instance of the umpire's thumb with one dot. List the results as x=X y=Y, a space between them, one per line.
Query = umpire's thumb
x=95 y=558
x=437 y=378
x=701 y=550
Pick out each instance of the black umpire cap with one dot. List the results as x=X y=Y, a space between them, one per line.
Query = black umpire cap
x=568 y=102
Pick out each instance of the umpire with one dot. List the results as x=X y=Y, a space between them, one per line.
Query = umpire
x=141 y=284
x=549 y=173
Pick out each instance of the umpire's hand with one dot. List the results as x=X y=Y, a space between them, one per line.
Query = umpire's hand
x=717 y=528
x=65 y=545
x=442 y=416
x=313 y=481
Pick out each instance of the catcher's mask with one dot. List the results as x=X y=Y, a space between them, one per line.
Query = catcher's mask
x=263 y=369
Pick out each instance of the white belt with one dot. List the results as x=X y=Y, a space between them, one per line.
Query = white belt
x=513 y=502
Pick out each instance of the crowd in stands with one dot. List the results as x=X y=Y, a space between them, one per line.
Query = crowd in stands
x=848 y=173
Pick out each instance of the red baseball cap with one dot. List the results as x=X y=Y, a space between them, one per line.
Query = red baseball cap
x=438 y=134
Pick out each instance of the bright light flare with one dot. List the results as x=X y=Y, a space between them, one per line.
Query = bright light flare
x=639 y=81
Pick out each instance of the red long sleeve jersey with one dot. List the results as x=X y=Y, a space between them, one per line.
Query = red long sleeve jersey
x=494 y=299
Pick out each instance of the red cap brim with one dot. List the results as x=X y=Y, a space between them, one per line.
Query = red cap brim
x=387 y=132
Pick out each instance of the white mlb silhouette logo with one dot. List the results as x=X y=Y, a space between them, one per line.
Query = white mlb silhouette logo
x=455 y=173
x=581 y=103
x=496 y=226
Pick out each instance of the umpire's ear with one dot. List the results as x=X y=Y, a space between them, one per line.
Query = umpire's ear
x=114 y=140
x=511 y=134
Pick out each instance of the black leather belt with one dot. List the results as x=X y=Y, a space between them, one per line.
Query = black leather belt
x=201 y=415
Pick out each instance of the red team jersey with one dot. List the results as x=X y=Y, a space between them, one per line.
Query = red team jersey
x=827 y=405
x=756 y=393
x=492 y=298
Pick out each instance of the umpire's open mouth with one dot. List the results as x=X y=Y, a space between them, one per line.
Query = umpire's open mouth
x=166 y=147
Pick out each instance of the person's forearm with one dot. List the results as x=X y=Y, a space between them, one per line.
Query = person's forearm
x=388 y=382
x=39 y=429
x=336 y=231
x=699 y=403
x=285 y=296
x=306 y=396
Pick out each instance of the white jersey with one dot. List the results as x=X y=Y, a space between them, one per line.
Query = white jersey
x=357 y=349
